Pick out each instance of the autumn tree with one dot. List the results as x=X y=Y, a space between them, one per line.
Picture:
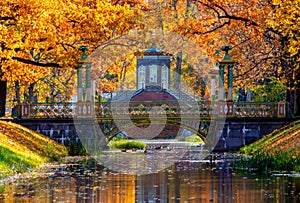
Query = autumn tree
x=284 y=21
x=39 y=35
x=263 y=35
x=188 y=61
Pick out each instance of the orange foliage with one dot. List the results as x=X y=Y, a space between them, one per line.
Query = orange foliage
x=37 y=35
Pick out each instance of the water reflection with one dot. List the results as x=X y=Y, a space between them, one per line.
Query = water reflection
x=183 y=182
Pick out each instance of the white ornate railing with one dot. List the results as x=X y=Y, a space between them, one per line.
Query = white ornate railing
x=103 y=110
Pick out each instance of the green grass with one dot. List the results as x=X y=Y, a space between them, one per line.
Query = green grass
x=279 y=151
x=274 y=136
x=193 y=138
x=22 y=149
x=127 y=144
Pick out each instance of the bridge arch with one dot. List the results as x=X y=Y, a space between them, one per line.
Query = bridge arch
x=201 y=132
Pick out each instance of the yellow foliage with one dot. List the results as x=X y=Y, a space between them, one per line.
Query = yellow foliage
x=255 y=29
x=37 y=35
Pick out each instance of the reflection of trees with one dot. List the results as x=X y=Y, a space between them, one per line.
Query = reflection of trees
x=182 y=182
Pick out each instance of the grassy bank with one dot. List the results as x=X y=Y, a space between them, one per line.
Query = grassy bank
x=279 y=150
x=22 y=149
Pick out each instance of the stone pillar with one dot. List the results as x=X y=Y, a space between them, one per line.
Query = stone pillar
x=213 y=88
x=221 y=83
x=79 y=83
x=230 y=82
x=226 y=61
x=214 y=72
x=88 y=86
x=83 y=62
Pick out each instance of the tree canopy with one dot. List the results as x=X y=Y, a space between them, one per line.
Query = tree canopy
x=264 y=35
x=37 y=37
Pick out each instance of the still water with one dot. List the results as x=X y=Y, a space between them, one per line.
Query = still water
x=183 y=182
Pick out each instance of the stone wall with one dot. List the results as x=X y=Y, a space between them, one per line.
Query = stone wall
x=57 y=129
x=240 y=132
x=236 y=132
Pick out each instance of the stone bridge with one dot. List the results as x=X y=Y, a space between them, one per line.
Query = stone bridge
x=243 y=122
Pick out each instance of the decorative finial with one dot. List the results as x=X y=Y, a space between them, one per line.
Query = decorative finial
x=226 y=48
x=83 y=49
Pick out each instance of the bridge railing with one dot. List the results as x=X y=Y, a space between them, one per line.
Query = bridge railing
x=142 y=109
x=45 y=110
x=259 y=110
x=106 y=110
x=254 y=110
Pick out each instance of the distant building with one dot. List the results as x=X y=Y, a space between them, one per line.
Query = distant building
x=153 y=69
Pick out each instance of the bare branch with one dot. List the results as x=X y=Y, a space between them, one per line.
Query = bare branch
x=212 y=30
x=65 y=45
x=27 y=61
x=238 y=18
x=224 y=15
x=242 y=42
x=5 y=18
x=255 y=65
x=225 y=12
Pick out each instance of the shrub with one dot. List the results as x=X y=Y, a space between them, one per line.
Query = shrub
x=263 y=162
x=75 y=147
x=193 y=138
x=273 y=88
x=127 y=144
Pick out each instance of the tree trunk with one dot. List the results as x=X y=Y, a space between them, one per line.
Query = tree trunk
x=290 y=102
x=178 y=70
x=18 y=94
x=296 y=103
x=52 y=90
x=292 y=96
x=2 y=97
x=31 y=93
x=296 y=95
x=16 y=109
x=52 y=86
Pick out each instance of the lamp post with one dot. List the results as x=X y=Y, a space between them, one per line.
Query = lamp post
x=79 y=83
x=228 y=62
x=84 y=63
x=221 y=83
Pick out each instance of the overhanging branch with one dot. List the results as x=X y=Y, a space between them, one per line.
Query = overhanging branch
x=223 y=14
x=212 y=30
x=27 y=61
x=254 y=66
x=5 y=18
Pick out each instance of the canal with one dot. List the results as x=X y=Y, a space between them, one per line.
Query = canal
x=183 y=182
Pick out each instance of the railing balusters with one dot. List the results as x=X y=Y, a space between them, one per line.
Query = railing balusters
x=103 y=110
